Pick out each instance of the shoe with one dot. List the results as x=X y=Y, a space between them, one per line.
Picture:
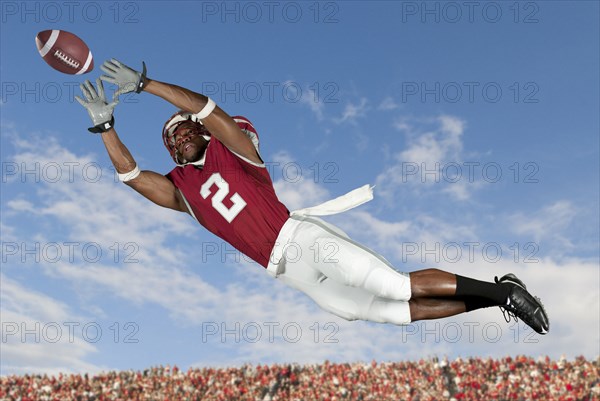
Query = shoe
x=510 y=278
x=521 y=304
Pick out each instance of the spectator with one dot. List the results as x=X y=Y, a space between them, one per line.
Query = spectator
x=504 y=379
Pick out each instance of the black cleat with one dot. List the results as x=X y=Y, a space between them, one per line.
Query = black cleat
x=510 y=278
x=521 y=304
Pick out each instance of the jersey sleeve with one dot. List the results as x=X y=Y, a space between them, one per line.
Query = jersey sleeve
x=259 y=171
x=248 y=129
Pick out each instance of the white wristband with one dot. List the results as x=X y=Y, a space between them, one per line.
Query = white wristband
x=205 y=112
x=130 y=175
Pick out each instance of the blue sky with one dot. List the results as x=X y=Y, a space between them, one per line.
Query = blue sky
x=479 y=127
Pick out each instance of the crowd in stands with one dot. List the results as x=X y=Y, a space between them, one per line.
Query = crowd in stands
x=506 y=379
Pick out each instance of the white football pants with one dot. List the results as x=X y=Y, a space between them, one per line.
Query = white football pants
x=340 y=275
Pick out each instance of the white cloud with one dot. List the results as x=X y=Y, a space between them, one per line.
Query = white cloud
x=352 y=112
x=294 y=190
x=415 y=242
x=16 y=298
x=20 y=205
x=573 y=318
x=549 y=223
x=100 y=212
x=568 y=288
x=38 y=333
x=428 y=163
x=454 y=127
x=387 y=104
x=7 y=232
x=314 y=102
x=439 y=146
x=402 y=125
x=142 y=283
x=300 y=194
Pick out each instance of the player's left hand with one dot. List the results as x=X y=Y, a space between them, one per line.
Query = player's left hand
x=99 y=110
x=127 y=79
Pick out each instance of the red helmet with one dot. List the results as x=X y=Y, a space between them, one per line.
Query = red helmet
x=168 y=135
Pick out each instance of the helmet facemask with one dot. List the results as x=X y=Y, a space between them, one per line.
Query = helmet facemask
x=170 y=128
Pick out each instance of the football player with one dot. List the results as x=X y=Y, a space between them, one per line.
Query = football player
x=220 y=179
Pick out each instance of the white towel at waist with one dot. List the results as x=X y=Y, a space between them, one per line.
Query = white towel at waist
x=340 y=204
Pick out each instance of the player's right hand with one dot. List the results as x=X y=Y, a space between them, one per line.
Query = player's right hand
x=98 y=109
x=126 y=78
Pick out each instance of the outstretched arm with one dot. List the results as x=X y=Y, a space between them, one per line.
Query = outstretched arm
x=153 y=186
x=159 y=189
x=219 y=123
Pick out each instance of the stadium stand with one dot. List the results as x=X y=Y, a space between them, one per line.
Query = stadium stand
x=518 y=378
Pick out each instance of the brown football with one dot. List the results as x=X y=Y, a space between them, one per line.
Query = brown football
x=64 y=51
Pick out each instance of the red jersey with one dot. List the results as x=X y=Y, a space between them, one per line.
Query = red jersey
x=234 y=198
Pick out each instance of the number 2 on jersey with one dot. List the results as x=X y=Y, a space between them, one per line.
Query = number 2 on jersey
x=217 y=200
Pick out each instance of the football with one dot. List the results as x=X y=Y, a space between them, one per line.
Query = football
x=64 y=51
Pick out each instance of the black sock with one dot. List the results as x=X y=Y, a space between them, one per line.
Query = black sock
x=480 y=294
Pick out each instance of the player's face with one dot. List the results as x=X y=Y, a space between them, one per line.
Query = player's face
x=189 y=142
